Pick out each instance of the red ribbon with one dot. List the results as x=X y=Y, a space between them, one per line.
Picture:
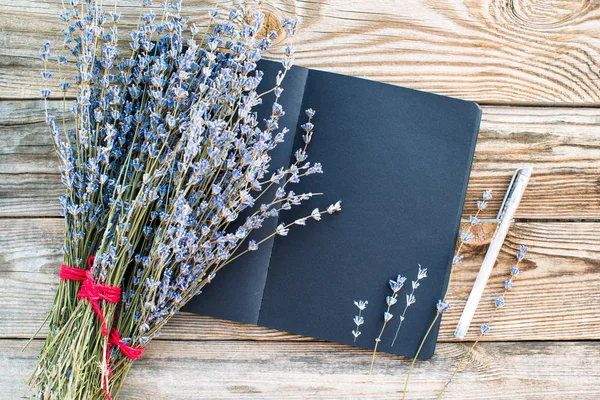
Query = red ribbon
x=133 y=353
x=94 y=293
x=90 y=290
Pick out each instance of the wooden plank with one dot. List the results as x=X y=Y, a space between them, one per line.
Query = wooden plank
x=562 y=144
x=25 y=141
x=288 y=370
x=502 y=51
x=30 y=195
x=555 y=298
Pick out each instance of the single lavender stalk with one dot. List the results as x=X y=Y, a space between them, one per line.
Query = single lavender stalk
x=485 y=329
x=358 y=319
x=396 y=286
x=442 y=305
x=410 y=299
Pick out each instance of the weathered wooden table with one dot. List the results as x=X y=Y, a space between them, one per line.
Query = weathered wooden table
x=533 y=65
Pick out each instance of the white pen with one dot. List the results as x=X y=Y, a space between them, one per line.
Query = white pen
x=507 y=212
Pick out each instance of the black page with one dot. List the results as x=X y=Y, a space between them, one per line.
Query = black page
x=237 y=291
x=400 y=160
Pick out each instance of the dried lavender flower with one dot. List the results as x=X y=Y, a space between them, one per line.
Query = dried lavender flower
x=252 y=245
x=410 y=298
x=386 y=318
x=334 y=207
x=457 y=259
x=358 y=319
x=316 y=214
x=362 y=305
x=521 y=253
x=485 y=329
x=442 y=306
x=466 y=236
x=499 y=301
x=487 y=195
x=396 y=286
x=282 y=230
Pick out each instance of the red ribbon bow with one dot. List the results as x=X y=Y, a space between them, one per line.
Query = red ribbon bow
x=94 y=293
x=133 y=353
x=90 y=290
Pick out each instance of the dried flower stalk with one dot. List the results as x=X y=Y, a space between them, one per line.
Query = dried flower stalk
x=358 y=319
x=396 y=286
x=410 y=299
x=485 y=328
x=442 y=305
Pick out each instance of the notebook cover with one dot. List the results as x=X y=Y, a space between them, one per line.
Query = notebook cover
x=399 y=159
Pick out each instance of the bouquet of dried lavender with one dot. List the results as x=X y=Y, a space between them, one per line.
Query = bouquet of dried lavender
x=166 y=154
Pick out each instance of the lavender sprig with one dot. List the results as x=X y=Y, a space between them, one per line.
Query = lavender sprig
x=410 y=299
x=485 y=329
x=396 y=286
x=442 y=305
x=466 y=235
x=358 y=319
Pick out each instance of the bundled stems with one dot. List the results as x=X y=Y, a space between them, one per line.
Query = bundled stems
x=166 y=155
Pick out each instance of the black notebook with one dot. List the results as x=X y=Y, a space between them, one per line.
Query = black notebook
x=399 y=159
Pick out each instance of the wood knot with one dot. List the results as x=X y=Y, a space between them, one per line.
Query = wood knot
x=540 y=14
x=272 y=24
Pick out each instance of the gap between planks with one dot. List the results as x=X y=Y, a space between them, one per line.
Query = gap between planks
x=480 y=103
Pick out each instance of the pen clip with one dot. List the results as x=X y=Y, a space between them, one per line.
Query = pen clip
x=507 y=195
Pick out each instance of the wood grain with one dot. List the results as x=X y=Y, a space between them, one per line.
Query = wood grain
x=562 y=144
x=287 y=370
x=555 y=298
x=526 y=51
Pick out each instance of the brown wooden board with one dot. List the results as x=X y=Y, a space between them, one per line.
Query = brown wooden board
x=499 y=51
x=562 y=144
x=554 y=298
x=178 y=370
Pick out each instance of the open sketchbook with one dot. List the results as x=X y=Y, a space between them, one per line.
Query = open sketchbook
x=399 y=159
